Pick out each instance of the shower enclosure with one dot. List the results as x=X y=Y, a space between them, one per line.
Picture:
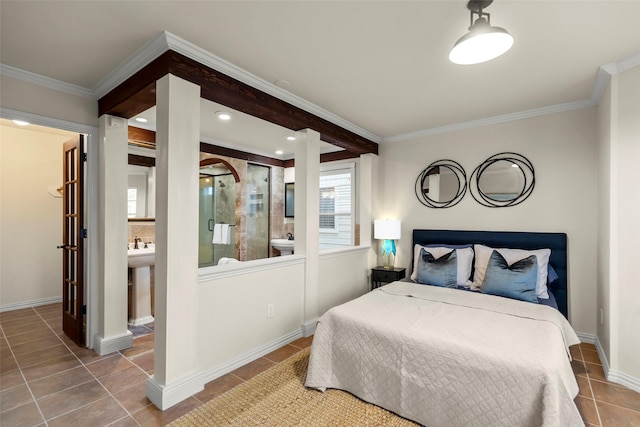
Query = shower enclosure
x=217 y=206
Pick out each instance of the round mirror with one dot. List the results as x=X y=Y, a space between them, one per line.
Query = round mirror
x=442 y=184
x=505 y=179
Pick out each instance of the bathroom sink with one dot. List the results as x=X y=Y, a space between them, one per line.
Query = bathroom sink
x=141 y=257
x=285 y=246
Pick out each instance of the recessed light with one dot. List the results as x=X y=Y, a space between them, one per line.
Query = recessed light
x=291 y=138
x=141 y=120
x=223 y=115
x=279 y=152
x=21 y=122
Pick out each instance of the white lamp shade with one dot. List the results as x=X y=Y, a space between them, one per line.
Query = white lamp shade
x=386 y=229
x=481 y=46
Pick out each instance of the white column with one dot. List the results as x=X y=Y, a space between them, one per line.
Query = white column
x=176 y=270
x=307 y=218
x=112 y=334
x=367 y=179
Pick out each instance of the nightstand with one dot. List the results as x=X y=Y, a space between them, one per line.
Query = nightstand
x=381 y=275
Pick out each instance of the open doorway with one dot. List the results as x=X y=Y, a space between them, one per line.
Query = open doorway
x=31 y=213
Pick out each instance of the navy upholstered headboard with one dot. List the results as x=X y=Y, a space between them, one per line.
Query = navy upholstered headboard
x=557 y=242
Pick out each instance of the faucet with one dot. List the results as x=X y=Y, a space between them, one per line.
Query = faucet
x=136 y=240
x=289 y=236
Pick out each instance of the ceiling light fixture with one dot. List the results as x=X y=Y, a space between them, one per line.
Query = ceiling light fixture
x=291 y=138
x=223 y=115
x=141 y=120
x=483 y=42
x=21 y=122
x=279 y=152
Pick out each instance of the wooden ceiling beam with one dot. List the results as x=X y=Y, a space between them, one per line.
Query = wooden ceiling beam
x=137 y=94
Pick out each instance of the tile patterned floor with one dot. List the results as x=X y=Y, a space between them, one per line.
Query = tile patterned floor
x=46 y=380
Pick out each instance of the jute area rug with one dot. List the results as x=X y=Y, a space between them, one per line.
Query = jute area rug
x=278 y=397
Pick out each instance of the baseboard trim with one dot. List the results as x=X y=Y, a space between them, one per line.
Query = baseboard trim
x=586 y=338
x=165 y=396
x=309 y=328
x=225 y=368
x=29 y=304
x=623 y=379
x=104 y=346
x=610 y=374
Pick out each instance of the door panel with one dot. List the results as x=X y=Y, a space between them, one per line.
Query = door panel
x=73 y=322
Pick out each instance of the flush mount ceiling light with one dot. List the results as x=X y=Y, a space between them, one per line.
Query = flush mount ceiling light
x=223 y=115
x=291 y=138
x=141 y=120
x=21 y=122
x=483 y=42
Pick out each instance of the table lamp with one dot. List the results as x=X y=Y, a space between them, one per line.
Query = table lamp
x=389 y=231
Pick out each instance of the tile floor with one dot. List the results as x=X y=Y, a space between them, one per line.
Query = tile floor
x=600 y=402
x=45 y=379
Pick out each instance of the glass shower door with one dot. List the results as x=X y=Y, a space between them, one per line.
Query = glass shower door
x=217 y=206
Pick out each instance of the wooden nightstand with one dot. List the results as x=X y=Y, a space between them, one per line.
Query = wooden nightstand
x=381 y=275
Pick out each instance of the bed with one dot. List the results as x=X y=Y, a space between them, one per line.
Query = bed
x=443 y=356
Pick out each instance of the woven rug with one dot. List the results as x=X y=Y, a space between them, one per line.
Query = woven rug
x=278 y=397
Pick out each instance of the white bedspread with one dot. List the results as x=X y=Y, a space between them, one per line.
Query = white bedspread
x=445 y=357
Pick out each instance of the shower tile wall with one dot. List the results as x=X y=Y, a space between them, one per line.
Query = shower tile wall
x=258 y=211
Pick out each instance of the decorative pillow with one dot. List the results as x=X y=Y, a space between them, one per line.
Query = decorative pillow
x=483 y=253
x=552 y=276
x=464 y=255
x=517 y=281
x=438 y=272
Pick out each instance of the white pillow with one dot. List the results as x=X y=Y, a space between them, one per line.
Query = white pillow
x=464 y=262
x=483 y=253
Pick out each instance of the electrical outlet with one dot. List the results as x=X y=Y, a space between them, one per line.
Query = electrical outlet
x=270 y=310
x=601 y=316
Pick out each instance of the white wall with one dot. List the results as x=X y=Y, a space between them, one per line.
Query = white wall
x=626 y=178
x=30 y=218
x=232 y=312
x=343 y=277
x=563 y=150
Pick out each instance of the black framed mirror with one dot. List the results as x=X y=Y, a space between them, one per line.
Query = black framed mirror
x=503 y=180
x=289 y=199
x=442 y=184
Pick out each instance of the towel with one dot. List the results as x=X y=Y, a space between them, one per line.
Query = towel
x=217 y=234
x=226 y=235
x=221 y=234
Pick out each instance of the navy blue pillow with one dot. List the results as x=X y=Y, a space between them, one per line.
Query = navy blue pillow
x=438 y=272
x=517 y=281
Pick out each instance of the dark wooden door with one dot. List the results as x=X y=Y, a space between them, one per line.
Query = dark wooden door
x=73 y=321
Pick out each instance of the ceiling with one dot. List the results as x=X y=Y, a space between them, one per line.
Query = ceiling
x=379 y=65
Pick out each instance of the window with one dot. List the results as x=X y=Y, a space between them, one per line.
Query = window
x=132 y=202
x=336 y=205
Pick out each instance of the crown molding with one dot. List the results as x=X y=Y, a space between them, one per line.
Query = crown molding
x=139 y=59
x=168 y=41
x=602 y=78
x=35 y=119
x=196 y=53
x=553 y=109
x=48 y=82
